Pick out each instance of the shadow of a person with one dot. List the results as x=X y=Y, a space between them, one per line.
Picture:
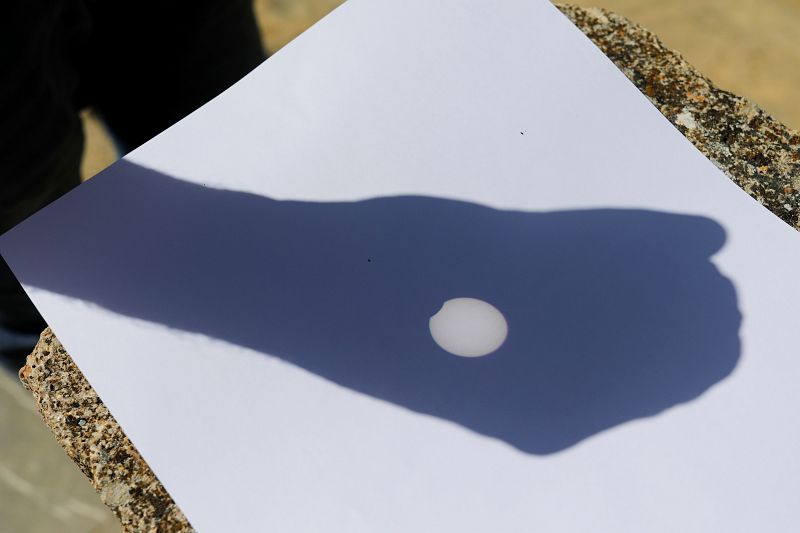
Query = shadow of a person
x=613 y=314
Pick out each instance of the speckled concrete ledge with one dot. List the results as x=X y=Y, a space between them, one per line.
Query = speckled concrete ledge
x=92 y=438
x=758 y=153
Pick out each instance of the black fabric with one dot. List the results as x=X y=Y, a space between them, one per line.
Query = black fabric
x=39 y=40
x=40 y=185
x=143 y=65
x=166 y=60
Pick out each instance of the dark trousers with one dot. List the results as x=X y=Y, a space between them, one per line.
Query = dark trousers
x=142 y=65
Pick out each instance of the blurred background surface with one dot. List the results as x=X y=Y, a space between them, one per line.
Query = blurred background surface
x=749 y=47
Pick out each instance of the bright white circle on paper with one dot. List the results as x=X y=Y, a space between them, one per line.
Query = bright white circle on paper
x=468 y=327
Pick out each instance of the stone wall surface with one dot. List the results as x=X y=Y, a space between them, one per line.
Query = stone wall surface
x=758 y=153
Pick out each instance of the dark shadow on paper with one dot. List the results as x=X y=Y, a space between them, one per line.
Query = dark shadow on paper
x=614 y=314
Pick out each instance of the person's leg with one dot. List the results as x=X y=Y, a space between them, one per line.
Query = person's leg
x=40 y=135
x=152 y=62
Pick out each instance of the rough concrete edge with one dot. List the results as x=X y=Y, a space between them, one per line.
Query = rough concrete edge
x=754 y=150
x=757 y=152
x=83 y=426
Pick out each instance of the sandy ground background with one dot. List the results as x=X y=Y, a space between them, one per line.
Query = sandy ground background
x=749 y=47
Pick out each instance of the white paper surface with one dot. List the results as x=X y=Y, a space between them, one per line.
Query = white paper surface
x=242 y=291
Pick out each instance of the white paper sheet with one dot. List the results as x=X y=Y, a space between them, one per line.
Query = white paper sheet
x=249 y=293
